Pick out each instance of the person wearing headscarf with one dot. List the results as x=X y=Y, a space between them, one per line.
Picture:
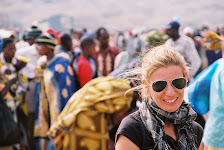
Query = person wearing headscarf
x=28 y=37
x=30 y=52
x=54 y=87
x=32 y=33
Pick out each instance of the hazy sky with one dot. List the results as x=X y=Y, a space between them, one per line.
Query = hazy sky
x=117 y=14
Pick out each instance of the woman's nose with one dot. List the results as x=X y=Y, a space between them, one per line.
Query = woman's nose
x=170 y=90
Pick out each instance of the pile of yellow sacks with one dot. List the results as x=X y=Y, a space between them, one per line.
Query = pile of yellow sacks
x=84 y=122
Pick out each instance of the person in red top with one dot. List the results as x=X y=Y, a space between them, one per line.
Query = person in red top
x=105 y=56
x=83 y=63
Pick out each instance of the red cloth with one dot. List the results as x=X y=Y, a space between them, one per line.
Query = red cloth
x=84 y=70
x=105 y=60
x=56 y=34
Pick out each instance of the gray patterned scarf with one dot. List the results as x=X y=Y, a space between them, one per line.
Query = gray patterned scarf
x=154 y=118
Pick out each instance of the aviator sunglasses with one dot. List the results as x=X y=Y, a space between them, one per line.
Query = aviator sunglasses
x=178 y=83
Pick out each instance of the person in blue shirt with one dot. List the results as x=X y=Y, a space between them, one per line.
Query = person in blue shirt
x=213 y=133
x=206 y=95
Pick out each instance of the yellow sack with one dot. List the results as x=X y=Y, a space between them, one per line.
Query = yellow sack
x=84 y=122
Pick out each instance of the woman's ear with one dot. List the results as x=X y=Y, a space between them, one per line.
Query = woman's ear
x=186 y=76
x=146 y=87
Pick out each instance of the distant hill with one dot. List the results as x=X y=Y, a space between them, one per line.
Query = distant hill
x=119 y=15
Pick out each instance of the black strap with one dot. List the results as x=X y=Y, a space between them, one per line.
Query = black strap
x=74 y=64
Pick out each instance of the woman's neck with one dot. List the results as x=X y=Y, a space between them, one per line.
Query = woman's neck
x=170 y=130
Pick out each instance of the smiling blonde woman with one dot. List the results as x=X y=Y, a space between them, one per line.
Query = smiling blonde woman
x=164 y=120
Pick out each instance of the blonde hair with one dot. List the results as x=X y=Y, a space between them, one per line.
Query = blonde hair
x=153 y=59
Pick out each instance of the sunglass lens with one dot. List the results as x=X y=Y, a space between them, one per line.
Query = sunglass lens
x=179 y=83
x=159 y=86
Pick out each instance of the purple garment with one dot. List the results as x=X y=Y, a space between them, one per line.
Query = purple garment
x=213 y=56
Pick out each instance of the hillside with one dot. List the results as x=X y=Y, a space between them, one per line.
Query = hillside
x=121 y=14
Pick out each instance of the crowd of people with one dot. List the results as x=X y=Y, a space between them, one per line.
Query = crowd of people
x=64 y=90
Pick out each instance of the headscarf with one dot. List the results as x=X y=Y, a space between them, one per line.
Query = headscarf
x=33 y=32
x=47 y=39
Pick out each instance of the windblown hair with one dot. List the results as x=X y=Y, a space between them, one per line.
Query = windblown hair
x=153 y=59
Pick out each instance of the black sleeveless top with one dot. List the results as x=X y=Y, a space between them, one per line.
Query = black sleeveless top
x=133 y=128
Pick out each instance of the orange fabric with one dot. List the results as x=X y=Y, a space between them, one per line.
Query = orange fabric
x=211 y=148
